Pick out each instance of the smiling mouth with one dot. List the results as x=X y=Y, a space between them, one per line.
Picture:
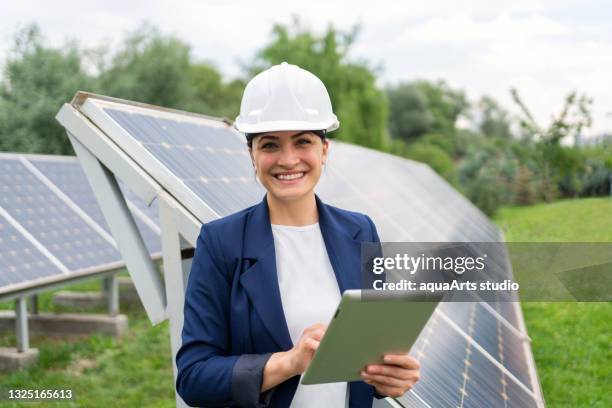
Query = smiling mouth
x=291 y=176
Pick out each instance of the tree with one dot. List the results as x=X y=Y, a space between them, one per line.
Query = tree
x=211 y=95
x=360 y=106
x=554 y=164
x=493 y=120
x=36 y=81
x=422 y=107
x=410 y=115
x=158 y=69
x=151 y=68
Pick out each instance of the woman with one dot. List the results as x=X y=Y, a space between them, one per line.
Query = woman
x=264 y=280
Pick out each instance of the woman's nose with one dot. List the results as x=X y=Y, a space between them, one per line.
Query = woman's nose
x=288 y=157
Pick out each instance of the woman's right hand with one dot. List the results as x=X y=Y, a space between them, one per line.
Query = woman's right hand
x=302 y=353
x=286 y=364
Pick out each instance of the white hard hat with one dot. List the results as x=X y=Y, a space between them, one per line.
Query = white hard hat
x=285 y=97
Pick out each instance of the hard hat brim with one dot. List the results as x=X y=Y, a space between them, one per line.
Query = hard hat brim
x=280 y=125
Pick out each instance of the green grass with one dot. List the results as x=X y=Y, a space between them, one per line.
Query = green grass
x=135 y=371
x=571 y=342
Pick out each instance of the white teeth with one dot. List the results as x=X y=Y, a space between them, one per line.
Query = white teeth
x=290 y=176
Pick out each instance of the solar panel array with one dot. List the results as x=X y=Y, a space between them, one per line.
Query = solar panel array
x=473 y=354
x=51 y=225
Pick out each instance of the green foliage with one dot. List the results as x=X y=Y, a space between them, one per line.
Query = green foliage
x=494 y=120
x=436 y=158
x=360 y=106
x=151 y=68
x=410 y=116
x=36 y=81
x=422 y=107
x=487 y=177
x=211 y=95
x=158 y=69
x=444 y=142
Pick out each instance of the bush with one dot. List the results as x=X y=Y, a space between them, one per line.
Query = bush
x=436 y=158
x=487 y=177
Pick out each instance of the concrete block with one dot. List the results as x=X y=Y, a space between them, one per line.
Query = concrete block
x=11 y=360
x=81 y=300
x=69 y=323
x=90 y=300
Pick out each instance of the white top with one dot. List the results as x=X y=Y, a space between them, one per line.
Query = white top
x=309 y=294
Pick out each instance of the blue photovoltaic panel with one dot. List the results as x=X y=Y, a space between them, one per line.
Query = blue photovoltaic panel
x=455 y=374
x=491 y=334
x=213 y=163
x=69 y=177
x=19 y=259
x=50 y=220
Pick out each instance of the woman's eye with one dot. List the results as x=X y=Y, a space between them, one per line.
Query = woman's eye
x=304 y=141
x=268 y=146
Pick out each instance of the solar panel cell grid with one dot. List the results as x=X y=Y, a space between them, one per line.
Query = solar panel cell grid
x=213 y=163
x=51 y=221
x=72 y=181
x=455 y=374
x=19 y=259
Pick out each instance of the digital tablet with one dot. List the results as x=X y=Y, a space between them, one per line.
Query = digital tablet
x=364 y=328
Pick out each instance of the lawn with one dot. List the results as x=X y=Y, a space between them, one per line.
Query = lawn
x=135 y=371
x=571 y=342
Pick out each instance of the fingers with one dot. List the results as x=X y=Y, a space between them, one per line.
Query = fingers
x=402 y=360
x=311 y=344
x=381 y=380
x=394 y=378
x=393 y=371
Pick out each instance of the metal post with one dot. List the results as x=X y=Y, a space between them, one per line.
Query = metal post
x=174 y=272
x=111 y=289
x=21 y=324
x=34 y=304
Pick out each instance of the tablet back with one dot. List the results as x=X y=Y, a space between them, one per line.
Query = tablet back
x=363 y=330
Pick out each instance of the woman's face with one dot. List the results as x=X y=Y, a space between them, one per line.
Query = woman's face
x=289 y=163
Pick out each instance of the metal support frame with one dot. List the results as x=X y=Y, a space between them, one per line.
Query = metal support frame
x=21 y=324
x=111 y=290
x=125 y=232
x=175 y=275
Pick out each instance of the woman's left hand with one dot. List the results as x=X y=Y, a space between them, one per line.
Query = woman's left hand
x=397 y=375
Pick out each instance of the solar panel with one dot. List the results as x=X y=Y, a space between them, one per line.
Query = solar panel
x=19 y=259
x=56 y=226
x=503 y=344
x=69 y=177
x=454 y=373
x=472 y=354
x=197 y=156
x=42 y=236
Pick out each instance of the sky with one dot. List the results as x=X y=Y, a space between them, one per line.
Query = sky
x=543 y=48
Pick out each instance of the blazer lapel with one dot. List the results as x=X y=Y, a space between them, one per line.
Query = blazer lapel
x=260 y=280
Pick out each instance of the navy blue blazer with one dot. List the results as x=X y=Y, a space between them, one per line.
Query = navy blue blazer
x=234 y=318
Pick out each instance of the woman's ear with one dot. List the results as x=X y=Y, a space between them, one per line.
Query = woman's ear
x=325 y=150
